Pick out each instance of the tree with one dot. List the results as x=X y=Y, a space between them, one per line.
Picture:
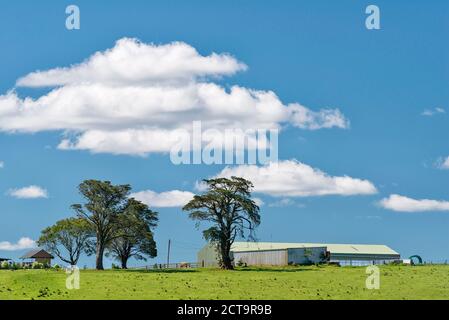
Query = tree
x=228 y=206
x=135 y=237
x=74 y=235
x=105 y=203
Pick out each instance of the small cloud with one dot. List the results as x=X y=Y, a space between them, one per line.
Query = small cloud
x=2 y=164
x=259 y=202
x=400 y=203
x=201 y=186
x=168 y=199
x=442 y=163
x=23 y=243
x=31 y=192
x=285 y=202
x=432 y=112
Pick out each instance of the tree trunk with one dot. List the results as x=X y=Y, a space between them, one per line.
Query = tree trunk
x=226 y=262
x=99 y=256
x=124 y=262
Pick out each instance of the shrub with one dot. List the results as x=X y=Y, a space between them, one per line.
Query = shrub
x=15 y=266
x=37 y=265
x=4 y=265
x=56 y=266
x=114 y=266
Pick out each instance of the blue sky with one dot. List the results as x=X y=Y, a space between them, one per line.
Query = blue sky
x=318 y=54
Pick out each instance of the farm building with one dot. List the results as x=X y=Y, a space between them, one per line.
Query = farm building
x=38 y=255
x=280 y=254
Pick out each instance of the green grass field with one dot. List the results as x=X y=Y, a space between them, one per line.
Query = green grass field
x=329 y=282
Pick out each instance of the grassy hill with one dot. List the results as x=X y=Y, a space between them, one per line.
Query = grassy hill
x=327 y=282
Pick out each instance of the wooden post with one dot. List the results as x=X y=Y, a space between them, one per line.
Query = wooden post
x=168 y=254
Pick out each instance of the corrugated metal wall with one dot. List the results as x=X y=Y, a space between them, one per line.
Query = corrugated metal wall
x=262 y=258
x=281 y=257
x=208 y=257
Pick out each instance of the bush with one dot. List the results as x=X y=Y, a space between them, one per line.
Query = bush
x=15 y=266
x=37 y=265
x=114 y=266
x=4 y=265
x=56 y=266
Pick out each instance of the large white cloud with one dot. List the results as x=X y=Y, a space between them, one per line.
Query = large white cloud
x=140 y=98
x=400 y=203
x=133 y=62
x=30 y=192
x=291 y=178
x=173 y=198
x=23 y=243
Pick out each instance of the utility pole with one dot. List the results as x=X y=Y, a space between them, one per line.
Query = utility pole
x=168 y=254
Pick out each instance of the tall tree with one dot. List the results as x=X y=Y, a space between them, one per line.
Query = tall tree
x=135 y=238
x=228 y=206
x=104 y=204
x=74 y=235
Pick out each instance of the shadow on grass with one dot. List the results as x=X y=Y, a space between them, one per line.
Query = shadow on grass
x=237 y=269
x=274 y=269
x=158 y=270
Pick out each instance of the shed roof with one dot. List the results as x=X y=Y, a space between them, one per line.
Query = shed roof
x=37 y=253
x=332 y=248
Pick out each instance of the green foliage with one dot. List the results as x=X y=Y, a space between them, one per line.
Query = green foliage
x=135 y=236
x=228 y=206
x=37 y=265
x=56 y=266
x=104 y=204
x=4 y=265
x=74 y=235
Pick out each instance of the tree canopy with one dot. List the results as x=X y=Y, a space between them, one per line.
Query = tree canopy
x=228 y=206
x=135 y=237
x=74 y=235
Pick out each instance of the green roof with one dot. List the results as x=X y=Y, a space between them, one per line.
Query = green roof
x=332 y=248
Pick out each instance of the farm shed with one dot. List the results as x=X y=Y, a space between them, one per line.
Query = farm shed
x=38 y=255
x=272 y=253
x=280 y=257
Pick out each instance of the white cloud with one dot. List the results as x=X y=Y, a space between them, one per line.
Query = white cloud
x=134 y=62
x=291 y=178
x=2 y=164
x=443 y=163
x=400 y=203
x=432 y=112
x=23 y=243
x=174 y=198
x=140 y=98
x=259 y=202
x=284 y=202
x=30 y=192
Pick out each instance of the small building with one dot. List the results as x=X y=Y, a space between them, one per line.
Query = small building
x=4 y=259
x=281 y=254
x=38 y=255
